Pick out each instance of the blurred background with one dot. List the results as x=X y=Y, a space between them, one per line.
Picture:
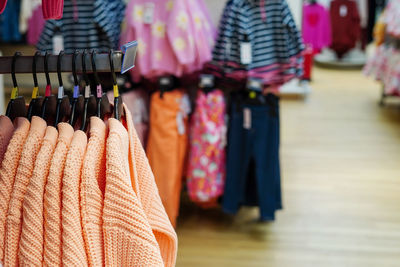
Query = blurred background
x=272 y=127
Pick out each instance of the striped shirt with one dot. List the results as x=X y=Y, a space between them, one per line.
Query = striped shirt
x=87 y=24
x=269 y=27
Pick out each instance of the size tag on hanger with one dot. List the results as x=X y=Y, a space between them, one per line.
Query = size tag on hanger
x=58 y=44
x=247 y=118
x=343 y=11
x=87 y=91
x=245 y=53
x=206 y=80
x=148 y=13
x=60 y=93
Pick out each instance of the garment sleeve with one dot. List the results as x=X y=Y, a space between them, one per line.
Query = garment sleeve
x=46 y=38
x=356 y=21
x=295 y=40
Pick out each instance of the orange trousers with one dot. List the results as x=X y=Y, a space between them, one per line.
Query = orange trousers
x=167 y=147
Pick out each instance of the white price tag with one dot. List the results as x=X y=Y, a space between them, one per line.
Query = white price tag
x=245 y=53
x=247 y=118
x=58 y=44
x=148 y=13
x=343 y=11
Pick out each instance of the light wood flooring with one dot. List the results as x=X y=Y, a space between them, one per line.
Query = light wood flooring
x=341 y=180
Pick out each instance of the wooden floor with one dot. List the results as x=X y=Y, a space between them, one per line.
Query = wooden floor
x=341 y=179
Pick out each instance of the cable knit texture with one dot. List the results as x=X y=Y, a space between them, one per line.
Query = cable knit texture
x=146 y=189
x=31 y=243
x=7 y=173
x=6 y=132
x=92 y=192
x=24 y=173
x=73 y=246
x=128 y=237
x=52 y=198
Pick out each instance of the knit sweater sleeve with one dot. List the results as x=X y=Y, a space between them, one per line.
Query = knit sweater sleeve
x=128 y=237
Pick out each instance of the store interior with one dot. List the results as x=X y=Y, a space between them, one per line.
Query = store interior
x=252 y=133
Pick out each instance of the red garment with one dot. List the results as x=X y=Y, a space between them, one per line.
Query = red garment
x=52 y=9
x=345 y=22
x=308 y=55
x=3 y=4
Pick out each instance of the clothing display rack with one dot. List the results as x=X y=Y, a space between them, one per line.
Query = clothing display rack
x=24 y=63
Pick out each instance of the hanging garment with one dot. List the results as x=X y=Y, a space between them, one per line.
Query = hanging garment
x=9 y=21
x=6 y=132
x=167 y=146
x=52 y=198
x=73 y=246
x=78 y=28
x=316 y=27
x=206 y=164
x=24 y=173
x=146 y=189
x=92 y=192
x=36 y=24
x=273 y=43
x=52 y=9
x=137 y=103
x=392 y=18
x=253 y=172
x=128 y=237
x=31 y=242
x=8 y=171
x=174 y=40
x=27 y=9
x=345 y=22
x=3 y=4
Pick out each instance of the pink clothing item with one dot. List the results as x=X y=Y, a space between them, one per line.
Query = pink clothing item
x=3 y=4
x=316 y=29
x=6 y=132
x=206 y=164
x=137 y=102
x=178 y=40
x=36 y=24
x=52 y=9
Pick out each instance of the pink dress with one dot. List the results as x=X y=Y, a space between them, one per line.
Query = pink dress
x=206 y=164
x=316 y=28
x=173 y=36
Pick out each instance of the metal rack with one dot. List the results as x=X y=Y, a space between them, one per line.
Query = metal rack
x=24 y=63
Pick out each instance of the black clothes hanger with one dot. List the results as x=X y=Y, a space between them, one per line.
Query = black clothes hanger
x=35 y=106
x=77 y=98
x=89 y=103
x=16 y=107
x=166 y=83
x=118 y=108
x=50 y=101
x=102 y=102
x=63 y=108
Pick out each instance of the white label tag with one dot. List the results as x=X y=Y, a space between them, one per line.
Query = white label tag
x=180 y=123
x=245 y=53
x=58 y=44
x=148 y=13
x=246 y=118
x=343 y=11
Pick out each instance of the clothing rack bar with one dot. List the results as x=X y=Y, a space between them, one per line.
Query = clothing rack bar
x=23 y=64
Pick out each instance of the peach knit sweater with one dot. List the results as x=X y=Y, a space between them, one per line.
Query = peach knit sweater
x=52 y=198
x=7 y=173
x=31 y=242
x=146 y=189
x=24 y=173
x=73 y=246
x=6 y=131
x=128 y=237
x=92 y=192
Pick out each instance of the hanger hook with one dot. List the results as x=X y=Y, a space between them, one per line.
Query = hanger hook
x=76 y=53
x=59 y=59
x=110 y=57
x=85 y=77
x=34 y=74
x=14 y=79
x=93 y=57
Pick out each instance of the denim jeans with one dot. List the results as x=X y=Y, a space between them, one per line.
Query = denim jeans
x=253 y=168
